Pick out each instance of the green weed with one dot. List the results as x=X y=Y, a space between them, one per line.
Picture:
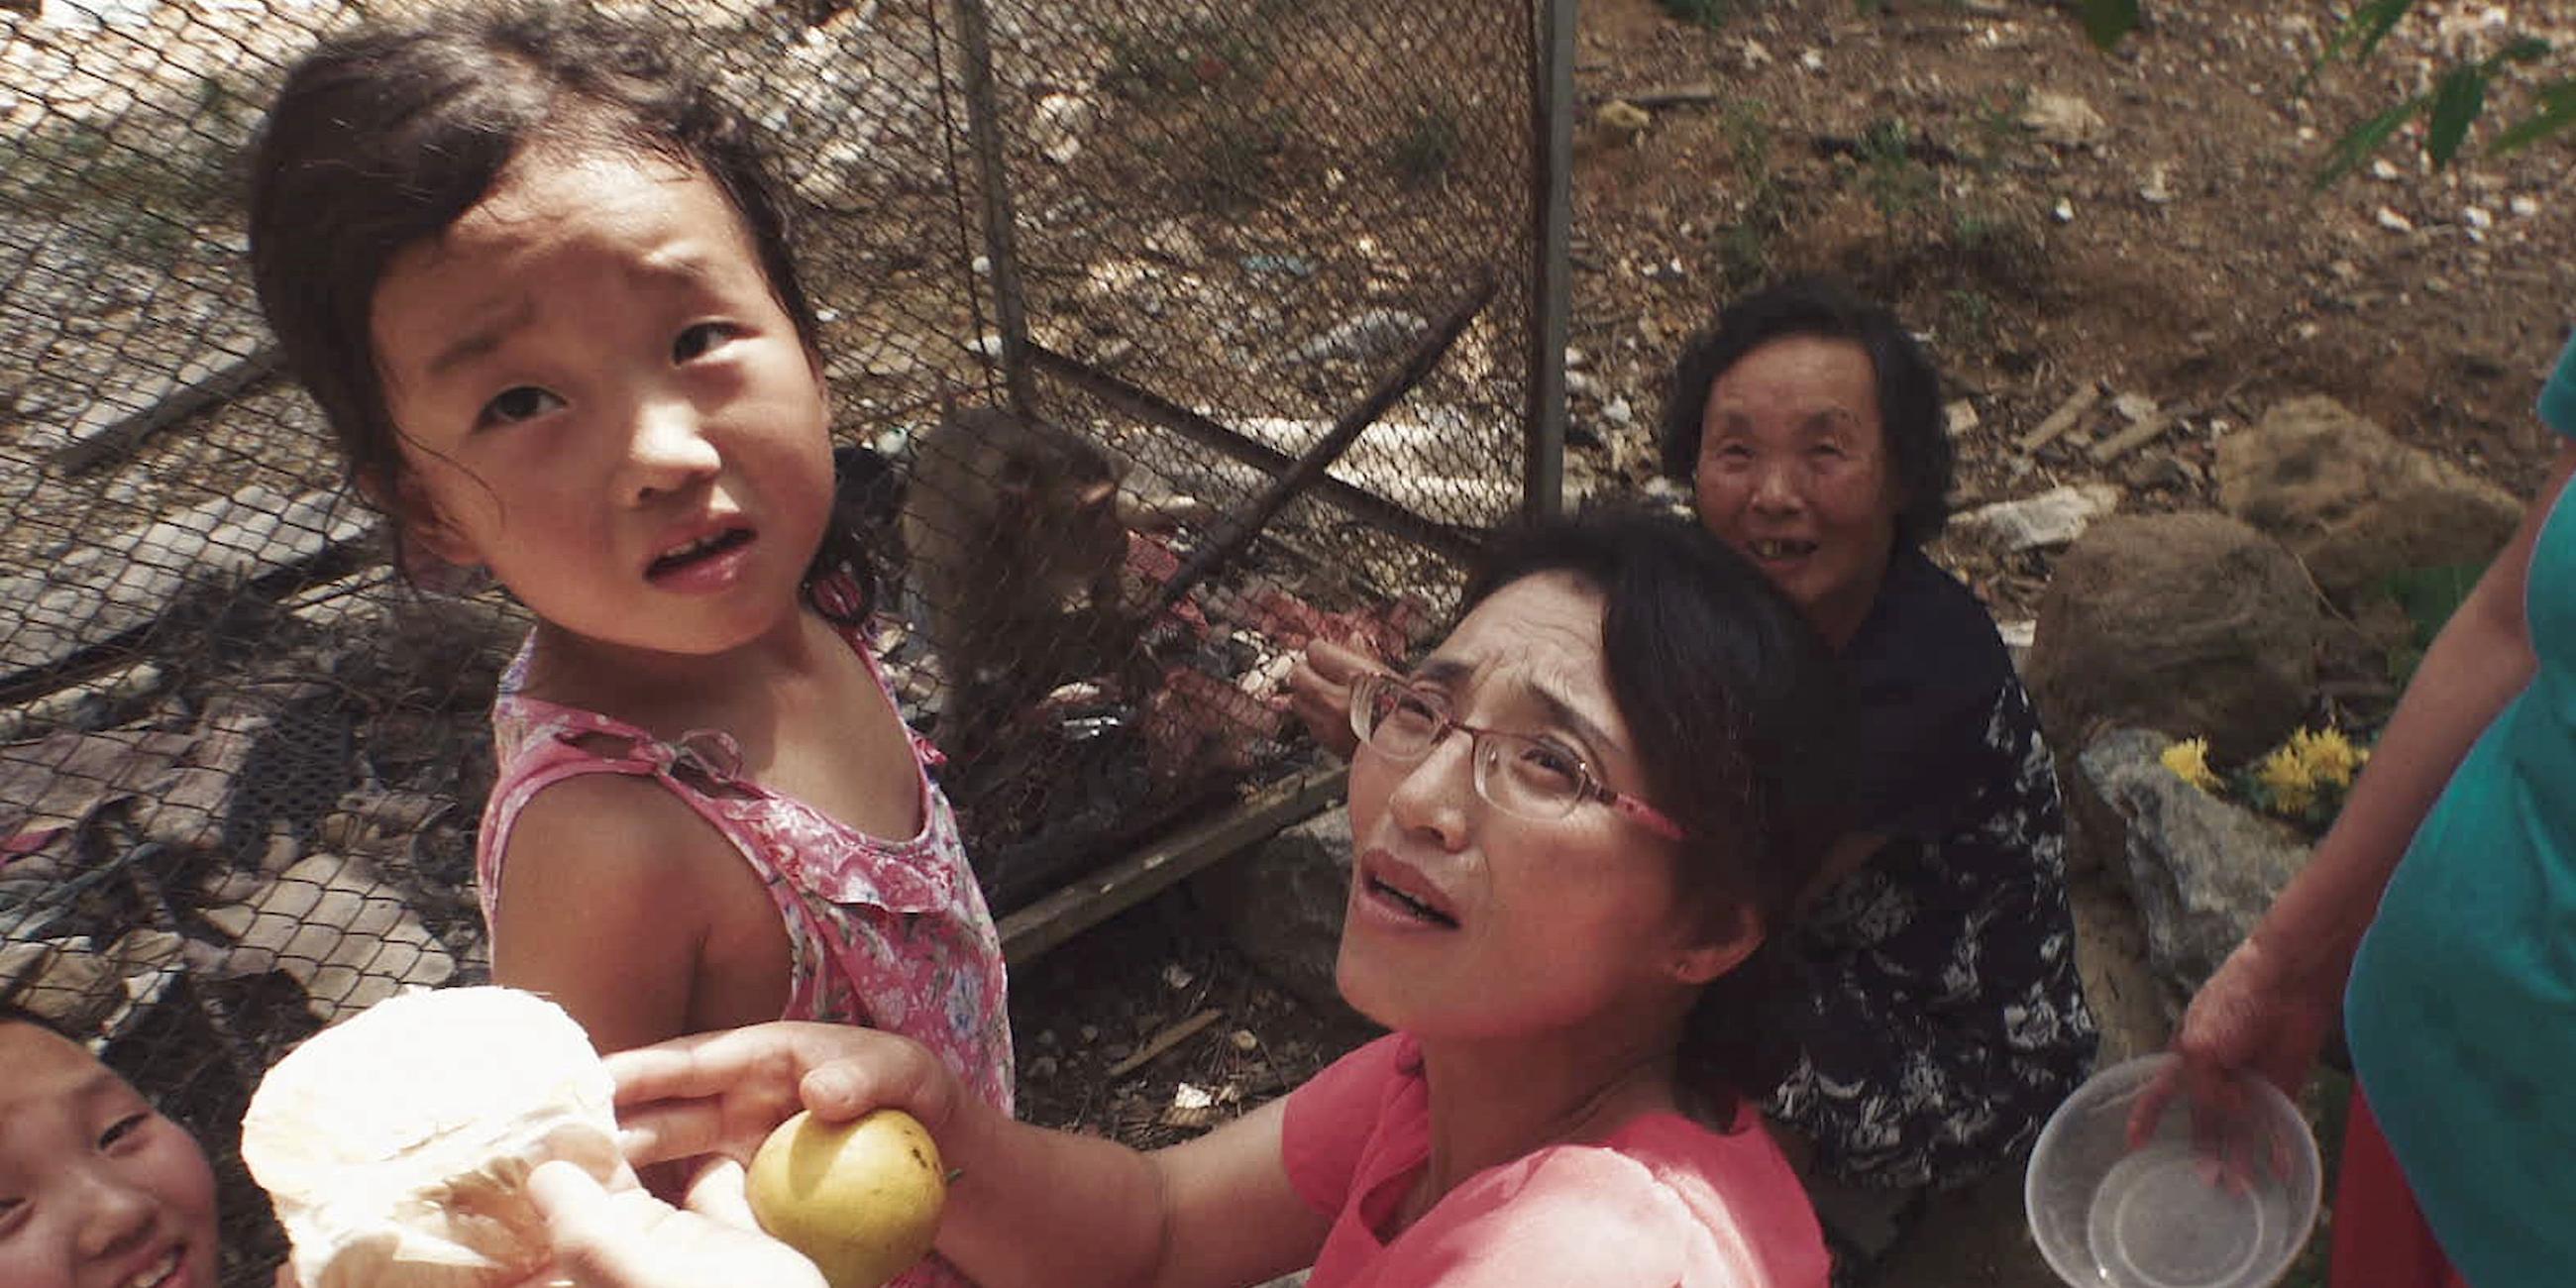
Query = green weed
x=1427 y=148
x=1710 y=14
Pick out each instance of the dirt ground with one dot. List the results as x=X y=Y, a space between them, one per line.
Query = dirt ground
x=2169 y=246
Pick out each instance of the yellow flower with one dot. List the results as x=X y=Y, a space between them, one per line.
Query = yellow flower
x=2189 y=761
x=2330 y=757
x=2287 y=777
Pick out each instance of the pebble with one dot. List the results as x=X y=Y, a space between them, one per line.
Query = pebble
x=2392 y=221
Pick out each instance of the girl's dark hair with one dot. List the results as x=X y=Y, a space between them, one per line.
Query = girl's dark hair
x=1743 y=727
x=1909 y=390
x=383 y=137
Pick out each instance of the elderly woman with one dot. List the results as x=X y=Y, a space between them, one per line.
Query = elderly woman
x=1808 y=424
x=1577 y=824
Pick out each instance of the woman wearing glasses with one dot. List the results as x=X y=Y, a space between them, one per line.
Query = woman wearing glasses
x=1577 y=822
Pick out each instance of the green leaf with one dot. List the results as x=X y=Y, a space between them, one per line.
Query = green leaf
x=2374 y=21
x=2352 y=149
x=2557 y=112
x=2361 y=33
x=2431 y=595
x=2456 y=102
x=2524 y=49
x=2106 y=21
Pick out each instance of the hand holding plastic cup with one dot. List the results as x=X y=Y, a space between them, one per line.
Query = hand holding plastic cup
x=2203 y=1190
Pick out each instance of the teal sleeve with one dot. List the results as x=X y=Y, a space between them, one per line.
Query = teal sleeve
x=2558 y=397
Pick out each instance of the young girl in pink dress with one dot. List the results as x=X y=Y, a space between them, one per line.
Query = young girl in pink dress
x=539 y=282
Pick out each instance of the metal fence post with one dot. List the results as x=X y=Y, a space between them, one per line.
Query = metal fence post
x=992 y=173
x=1552 y=218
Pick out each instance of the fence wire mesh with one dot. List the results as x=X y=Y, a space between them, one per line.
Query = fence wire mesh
x=1092 y=279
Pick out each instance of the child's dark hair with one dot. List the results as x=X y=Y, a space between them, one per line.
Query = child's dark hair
x=1744 y=729
x=1909 y=389
x=383 y=137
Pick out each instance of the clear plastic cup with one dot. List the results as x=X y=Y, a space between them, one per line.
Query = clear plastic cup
x=2212 y=1199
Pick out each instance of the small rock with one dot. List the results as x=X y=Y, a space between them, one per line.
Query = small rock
x=1173 y=240
x=2523 y=207
x=2477 y=217
x=1617 y=412
x=1582 y=384
x=2381 y=169
x=2134 y=408
x=2392 y=221
x=2064 y=120
x=1961 y=416
x=1246 y=1041
x=2156 y=190
x=1754 y=54
x=1176 y=976
x=987 y=346
x=2063 y=212
x=2053 y=518
x=1372 y=334
x=1060 y=120
x=1574 y=358
x=981 y=266
x=1625 y=117
x=2165 y=471
x=1812 y=59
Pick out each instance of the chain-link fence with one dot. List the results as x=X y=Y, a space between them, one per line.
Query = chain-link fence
x=1164 y=335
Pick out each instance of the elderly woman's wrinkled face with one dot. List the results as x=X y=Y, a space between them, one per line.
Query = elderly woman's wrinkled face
x=1468 y=921
x=1794 y=472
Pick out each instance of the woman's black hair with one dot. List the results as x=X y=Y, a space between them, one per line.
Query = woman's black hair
x=1909 y=389
x=1743 y=727
x=383 y=137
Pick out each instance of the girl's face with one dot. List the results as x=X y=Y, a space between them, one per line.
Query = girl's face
x=96 y=1189
x=1466 y=922
x=1793 y=472
x=602 y=402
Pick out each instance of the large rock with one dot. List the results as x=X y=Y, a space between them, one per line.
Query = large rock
x=2354 y=503
x=1282 y=903
x=2202 y=871
x=2191 y=624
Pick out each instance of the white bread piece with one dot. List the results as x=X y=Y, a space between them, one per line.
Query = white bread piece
x=397 y=1144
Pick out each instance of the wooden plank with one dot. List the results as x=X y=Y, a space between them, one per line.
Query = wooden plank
x=1130 y=881
x=1681 y=95
x=108 y=431
x=2064 y=418
x=1164 y=1041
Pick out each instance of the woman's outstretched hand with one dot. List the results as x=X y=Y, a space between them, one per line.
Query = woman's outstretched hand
x=626 y=1238
x=722 y=1093
x=2255 y=1015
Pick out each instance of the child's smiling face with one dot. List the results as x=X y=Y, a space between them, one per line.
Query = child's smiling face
x=97 y=1190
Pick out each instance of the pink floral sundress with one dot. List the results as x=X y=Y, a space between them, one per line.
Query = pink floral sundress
x=893 y=935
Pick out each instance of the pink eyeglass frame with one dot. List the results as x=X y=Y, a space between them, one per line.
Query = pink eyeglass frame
x=1587 y=787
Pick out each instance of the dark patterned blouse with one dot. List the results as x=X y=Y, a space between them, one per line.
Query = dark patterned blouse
x=1949 y=1017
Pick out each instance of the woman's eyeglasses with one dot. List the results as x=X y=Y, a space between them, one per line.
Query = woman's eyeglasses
x=1520 y=775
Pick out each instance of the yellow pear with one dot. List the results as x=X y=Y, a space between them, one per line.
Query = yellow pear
x=860 y=1199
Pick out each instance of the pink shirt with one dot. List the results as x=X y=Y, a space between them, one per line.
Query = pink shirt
x=1664 y=1201
x=891 y=934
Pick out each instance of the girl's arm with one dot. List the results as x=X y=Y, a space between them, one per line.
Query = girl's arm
x=603 y=907
x=2269 y=1005
x=1030 y=1206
